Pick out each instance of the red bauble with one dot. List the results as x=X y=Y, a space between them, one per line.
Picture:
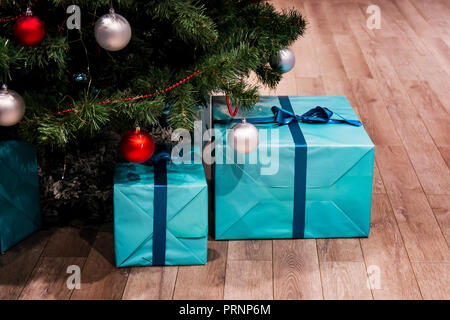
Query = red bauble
x=29 y=30
x=137 y=146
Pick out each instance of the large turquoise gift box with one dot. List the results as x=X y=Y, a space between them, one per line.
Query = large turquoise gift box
x=311 y=176
x=19 y=193
x=160 y=214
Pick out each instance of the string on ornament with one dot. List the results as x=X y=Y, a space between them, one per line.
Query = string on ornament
x=230 y=110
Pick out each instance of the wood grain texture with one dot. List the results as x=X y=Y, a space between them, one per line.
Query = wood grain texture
x=373 y=113
x=428 y=163
x=328 y=56
x=71 y=242
x=385 y=254
x=248 y=280
x=49 y=279
x=204 y=282
x=151 y=283
x=421 y=233
x=296 y=271
x=440 y=204
x=310 y=86
x=431 y=110
x=339 y=250
x=434 y=280
x=250 y=250
x=100 y=279
x=378 y=186
x=17 y=264
x=345 y=281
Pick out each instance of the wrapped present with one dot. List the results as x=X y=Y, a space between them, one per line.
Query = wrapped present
x=19 y=193
x=160 y=213
x=311 y=176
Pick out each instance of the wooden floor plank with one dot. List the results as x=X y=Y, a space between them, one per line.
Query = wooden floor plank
x=67 y=246
x=296 y=270
x=435 y=14
x=385 y=254
x=310 y=87
x=423 y=238
x=248 y=280
x=431 y=110
x=352 y=57
x=151 y=283
x=378 y=186
x=250 y=250
x=204 y=282
x=71 y=241
x=304 y=49
x=440 y=204
x=421 y=27
x=328 y=56
x=345 y=281
x=373 y=113
x=17 y=264
x=428 y=163
x=339 y=250
x=434 y=280
x=100 y=279
x=49 y=279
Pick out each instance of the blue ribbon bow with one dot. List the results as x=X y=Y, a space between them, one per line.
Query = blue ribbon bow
x=317 y=115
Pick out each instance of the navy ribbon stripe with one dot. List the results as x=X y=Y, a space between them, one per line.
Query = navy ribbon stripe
x=160 y=213
x=298 y=228
x=159 y=163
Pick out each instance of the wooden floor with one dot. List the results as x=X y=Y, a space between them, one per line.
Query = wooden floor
x=397 y=78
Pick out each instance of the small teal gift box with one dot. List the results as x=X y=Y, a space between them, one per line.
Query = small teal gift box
x=19 y=193
x=311 y=176
x=160 y=213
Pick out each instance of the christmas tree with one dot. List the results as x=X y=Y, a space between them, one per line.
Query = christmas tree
x=180 y=51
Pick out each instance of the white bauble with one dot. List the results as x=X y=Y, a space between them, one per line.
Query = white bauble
x=243 y=137
x=12 y=107
x=112 y=31
x=284 y=59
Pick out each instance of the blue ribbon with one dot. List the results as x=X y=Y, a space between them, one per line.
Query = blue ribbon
x=283 y=116
x=298 y=225
x=159 y=163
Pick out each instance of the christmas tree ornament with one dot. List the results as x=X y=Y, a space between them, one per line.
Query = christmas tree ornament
x=137 y=146
x=112 y=31
x=243 y=137
x=12 y=107
x=283 y=59
x=29 y=30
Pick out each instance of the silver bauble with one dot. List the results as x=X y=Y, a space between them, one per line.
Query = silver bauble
x=12 y=107
x=284 y=59
x=243 y=137
x=112 y=31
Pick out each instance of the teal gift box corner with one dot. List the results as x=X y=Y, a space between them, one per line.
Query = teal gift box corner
x=186 y=223
x=336 y=200
x=19 y=193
